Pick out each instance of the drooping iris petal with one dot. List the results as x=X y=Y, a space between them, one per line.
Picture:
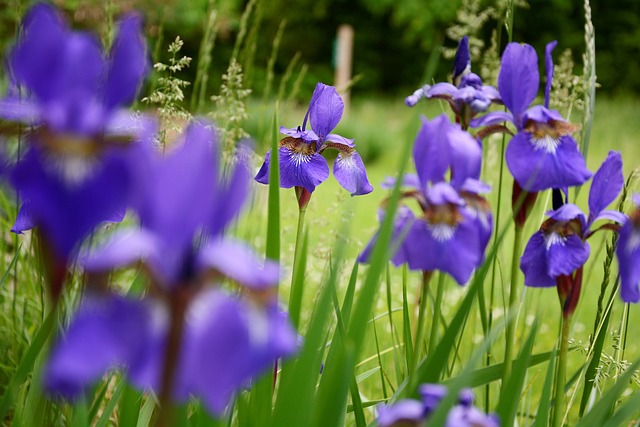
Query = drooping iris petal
x=548 y=59
x=231 y=342
x=124 y=248
x=349 y=171
x=67 y=212
x=606 y=184
x=236 y=261
x=534 y=262
x=301 y=168
x=14 y=109
x=24 y=220
x=548 y=163
x=565 y=254
x=628 y=253
x=332 y=137
x=470 y=416
x=441 y=246
x=492 y=118
x=405 y=412
x=431 y=149
x=518 y=80
x=263 y=173
x=408 y=180
x=128 y=63
x=106 y=332
x=432 y=395
x=442 y=90
x=325 y=110
x=401 y=225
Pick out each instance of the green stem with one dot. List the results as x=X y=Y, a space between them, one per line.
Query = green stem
x=513 y=305
x=295 y=295
x=561 y=373
x=494 y=262
x=419 y=338
x=433 y=336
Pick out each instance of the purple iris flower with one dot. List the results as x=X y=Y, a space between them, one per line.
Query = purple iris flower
x=183 y=204
x=542 y=154
x=628 y=253
x=300 y=153
x=454 y=226
x=411 y=412
x=467 y=88
x=76 y=172
x=560 y=248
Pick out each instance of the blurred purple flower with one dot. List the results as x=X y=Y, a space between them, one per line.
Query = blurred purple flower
x=455 y=226
x=410 y=412
x=300 y=153
x=543 y=154
x=560 y=247
x=467 y=88
x=184 y=205
x=76 y=173
x=628 y=253
x=226 y=342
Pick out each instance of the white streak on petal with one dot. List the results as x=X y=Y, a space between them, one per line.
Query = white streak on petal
x=634 y=241
x=554 y=239
x=441 y=232
x=546 y=143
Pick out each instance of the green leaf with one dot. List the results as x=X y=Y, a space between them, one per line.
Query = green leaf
x=298 y=377
x=512 y=390
x=273 y=213
x=129 y=407
x=144 y=419
x=111 y=405
x=542 y=416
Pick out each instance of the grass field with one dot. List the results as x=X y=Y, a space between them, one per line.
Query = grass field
x=381 y=127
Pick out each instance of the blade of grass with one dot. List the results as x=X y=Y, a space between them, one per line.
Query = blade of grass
x=542 y=416
x=602 y=410
x=129 y=409
x=144 y=418
x=111 y=405
x=298 y=377
x=512 y=390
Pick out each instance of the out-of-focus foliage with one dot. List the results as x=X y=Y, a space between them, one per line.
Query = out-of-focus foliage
x=393 y=39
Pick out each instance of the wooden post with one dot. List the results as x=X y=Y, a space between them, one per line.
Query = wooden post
x=343 y=63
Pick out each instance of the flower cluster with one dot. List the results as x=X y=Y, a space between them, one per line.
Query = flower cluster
x=467 y=96
x=454 y=224
x=412 y=412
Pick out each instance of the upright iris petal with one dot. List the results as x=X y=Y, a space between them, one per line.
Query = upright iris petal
x=518 y=80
